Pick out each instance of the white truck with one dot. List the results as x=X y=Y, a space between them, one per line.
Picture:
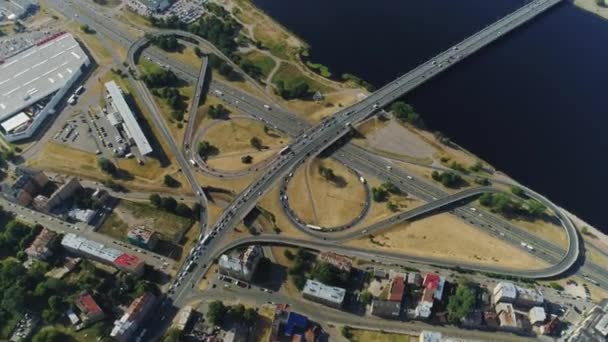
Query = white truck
x=362 y=180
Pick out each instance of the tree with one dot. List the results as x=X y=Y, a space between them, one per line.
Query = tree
x=218 y=112
x=535 y=208
x=171 y=182
x=517 y=191
x=155 y=200
x=556 y=286
x=390 y=187
x=478 y=166
x=392 y=206
x=205 y=149
x=379 y=194
x=198 y=52
x=106 y=166
x=86 y=29
x=246 y=159
x=50 y=334
x=288 y=254
x=460 y=304
x=406 y=113
x=216 y=312
x=237 y=312
x=172 y=335
x=366 y=297
x=327 y=173
x=347 y=332
x=250 y=315
x=168 y=204
x=183 y=210
x=256 y=143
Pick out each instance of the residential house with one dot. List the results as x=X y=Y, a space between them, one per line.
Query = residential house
x=39 y=249
x=129 y=322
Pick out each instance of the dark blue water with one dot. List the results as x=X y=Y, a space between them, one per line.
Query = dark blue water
x=533 y=104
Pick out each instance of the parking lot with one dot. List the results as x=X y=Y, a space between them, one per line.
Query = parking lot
x=93 y=132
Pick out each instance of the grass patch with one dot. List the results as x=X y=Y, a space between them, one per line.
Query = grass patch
x=114 y=227
x=262 y=61
x=291 y=76
x=319 y=68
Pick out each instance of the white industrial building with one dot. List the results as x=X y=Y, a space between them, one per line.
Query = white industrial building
x=127 y=119
x=324 y=294
x=34 y=81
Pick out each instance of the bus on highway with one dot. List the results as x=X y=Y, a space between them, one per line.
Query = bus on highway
x=284 y=150
x=193 y=162
x=313 y=227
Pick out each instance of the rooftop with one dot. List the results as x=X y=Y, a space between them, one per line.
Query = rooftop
x=325 y=292
x=141 y=234
x=130 y=122
x=128 y=261
x=87 y=304
x=397 y=289
x=38 y=72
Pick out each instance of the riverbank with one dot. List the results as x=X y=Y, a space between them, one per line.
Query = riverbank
x=593 y=7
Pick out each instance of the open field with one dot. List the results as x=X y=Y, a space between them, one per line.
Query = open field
x=380 y=211
x=186 y=56
x=545 y=230
x=131 y=214
x=260 y=60
x=332 y=203
x=333 y=102
x=234 y=135
x=393 y=140
x=290 y=75
x=62 y=159
x=270 y=202
x=232 y=161
x=444 y=236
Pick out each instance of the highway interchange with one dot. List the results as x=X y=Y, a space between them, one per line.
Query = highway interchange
x=310 y=141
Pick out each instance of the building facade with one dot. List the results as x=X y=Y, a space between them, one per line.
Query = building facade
x=324 y=294
x=242 y=266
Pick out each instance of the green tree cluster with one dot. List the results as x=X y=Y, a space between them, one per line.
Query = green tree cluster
x=406 y=113
x=461 y=303
x=379 y=194
x=167 y=43
x=107 y=166
x=205 y=149
x=218 y=112
x=301 y=265
x=449 y=179
x=158 y=78
x=327 y=173
x=296 y=90
x=256 y=143
x=329 y=274
x=502 y=203
x=171 y=182
x=171 y=205
x=246 y=159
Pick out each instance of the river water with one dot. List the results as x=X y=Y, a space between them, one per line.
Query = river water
x=533 y=104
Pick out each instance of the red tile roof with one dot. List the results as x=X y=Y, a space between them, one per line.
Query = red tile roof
x=431 y=281
x=128 y=261
x=87 y=305
x=397 y=289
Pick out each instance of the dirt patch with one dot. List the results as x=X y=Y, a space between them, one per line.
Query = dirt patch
x=333 y=203
x=591 y=6
x=235 y=135
x=395 y=138
x=444 y=236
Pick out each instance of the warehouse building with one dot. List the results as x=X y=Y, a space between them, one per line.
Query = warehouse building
x=593 y=326
x=34 y=81
x=127 y=119
x=99 y=252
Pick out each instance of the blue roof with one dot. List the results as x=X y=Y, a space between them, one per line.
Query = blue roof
x=294 y=321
